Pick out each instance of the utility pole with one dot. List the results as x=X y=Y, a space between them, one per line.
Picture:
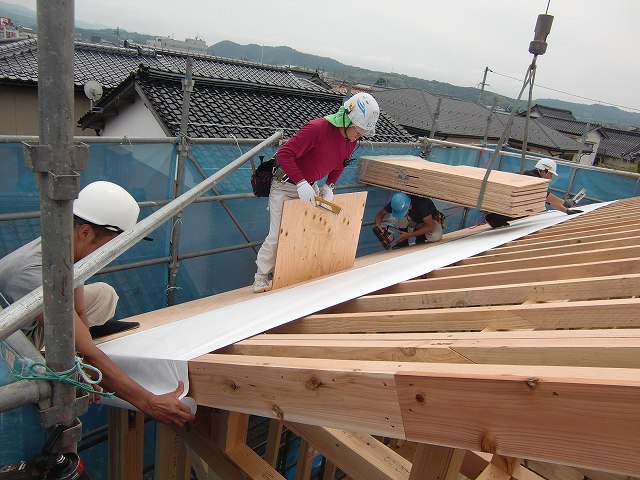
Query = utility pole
x=484 y=82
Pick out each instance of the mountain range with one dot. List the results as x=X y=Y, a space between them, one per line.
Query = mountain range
x=286 y=56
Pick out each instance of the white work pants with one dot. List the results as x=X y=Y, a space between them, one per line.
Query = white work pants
x=100 y=300
x=280 y=192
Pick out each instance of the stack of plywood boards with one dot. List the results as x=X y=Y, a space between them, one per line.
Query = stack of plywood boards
x=506 y=193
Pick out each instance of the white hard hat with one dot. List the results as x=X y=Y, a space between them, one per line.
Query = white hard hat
x=547 y=164
x=107 y=205
x=363 y=111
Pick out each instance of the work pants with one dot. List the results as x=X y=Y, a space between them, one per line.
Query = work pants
x=100 y=301
x=280 y=192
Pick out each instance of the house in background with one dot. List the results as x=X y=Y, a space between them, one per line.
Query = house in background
x=587 y=134
x=110 y=65
x=148 y=104
x=467 y=122
x=619 y=147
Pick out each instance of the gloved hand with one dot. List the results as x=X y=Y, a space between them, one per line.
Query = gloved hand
x=568 y=203
x=306 y=192
x=326 y=192
x=573 y=211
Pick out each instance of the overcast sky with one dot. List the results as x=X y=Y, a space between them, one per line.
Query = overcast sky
x=593 y=49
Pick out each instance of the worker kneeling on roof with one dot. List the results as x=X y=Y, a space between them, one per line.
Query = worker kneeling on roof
x=411 y=216
x=322 y=147
x=545 y=168
x=101 y=212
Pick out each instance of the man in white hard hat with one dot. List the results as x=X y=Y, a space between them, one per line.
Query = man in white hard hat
x=322 y=147
x=102 y=211
x=545 y=168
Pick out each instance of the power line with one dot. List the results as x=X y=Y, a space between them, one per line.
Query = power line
x=570 y=94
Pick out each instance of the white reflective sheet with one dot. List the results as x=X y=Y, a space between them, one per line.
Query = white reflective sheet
x=158 y=357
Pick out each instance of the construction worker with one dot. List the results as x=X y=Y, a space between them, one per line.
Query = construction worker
x=410 y=211
x=102 y=211
x=545 y=168
x=322 y=147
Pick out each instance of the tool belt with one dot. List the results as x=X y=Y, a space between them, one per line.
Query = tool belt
x=280 y=176
x=261 y=178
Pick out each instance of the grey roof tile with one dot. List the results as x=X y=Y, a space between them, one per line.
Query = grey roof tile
x=573 y=127
x=414 y=110
x=222 y=108
x=619 y=143
x=110 y=65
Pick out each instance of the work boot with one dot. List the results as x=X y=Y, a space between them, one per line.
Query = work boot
x=261 y=283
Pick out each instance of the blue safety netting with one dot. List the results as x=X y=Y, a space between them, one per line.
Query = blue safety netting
x=147 y=170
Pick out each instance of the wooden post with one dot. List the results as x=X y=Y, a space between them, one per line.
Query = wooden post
x=273 y=442
x=126 y=444
x=433 y=462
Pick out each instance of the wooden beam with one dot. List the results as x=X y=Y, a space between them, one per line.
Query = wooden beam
x=360 y=456
x=555 y=236
x=238 y=463
x=475 y=463
x=537 y=412
x=616 y=313
x=597 y=349
x=574 y=289
x=126 y=443
x=543 y=413
x=288 y=390
x=586 y=237
x=605 y=254
x=506 y=277
x=562 y=249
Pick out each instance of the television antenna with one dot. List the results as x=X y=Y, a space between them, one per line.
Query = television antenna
x=93 y=91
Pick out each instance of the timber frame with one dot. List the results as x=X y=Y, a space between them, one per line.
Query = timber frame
x=523 y=362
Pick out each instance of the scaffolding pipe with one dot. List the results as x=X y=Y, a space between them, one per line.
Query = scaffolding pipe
x=223 y=204
x=58 y=183
x=183 y=152
x=16 y=394
x=29 y=306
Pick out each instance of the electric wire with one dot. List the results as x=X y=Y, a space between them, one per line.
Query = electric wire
x=570 y=94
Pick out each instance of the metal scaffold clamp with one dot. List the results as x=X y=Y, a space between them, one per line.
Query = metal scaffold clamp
x=57 y=186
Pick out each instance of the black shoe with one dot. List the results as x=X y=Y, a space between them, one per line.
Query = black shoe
x=400 y=245
x=112 y=326
x=495 y=220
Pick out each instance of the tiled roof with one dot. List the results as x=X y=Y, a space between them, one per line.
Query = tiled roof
x=223 y=108
x=414 y=110
x=553 y=112
x=619 y=143
x=110 y=65
x=572 y=127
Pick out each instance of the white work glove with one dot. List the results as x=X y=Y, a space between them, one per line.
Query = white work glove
x=306 y=192
x=326 y=192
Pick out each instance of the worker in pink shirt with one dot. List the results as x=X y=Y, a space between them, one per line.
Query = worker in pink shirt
x=321 y=148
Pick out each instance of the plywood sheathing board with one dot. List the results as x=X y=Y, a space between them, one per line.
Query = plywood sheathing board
x=314 y=241
x=506 y=193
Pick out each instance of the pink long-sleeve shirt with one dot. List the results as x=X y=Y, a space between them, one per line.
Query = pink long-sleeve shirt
x=316 y=150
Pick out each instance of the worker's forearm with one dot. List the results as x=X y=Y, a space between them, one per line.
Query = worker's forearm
x=556 y=203
x=114 y=379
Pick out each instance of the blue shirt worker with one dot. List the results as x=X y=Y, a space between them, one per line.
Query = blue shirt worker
x=414 y=216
